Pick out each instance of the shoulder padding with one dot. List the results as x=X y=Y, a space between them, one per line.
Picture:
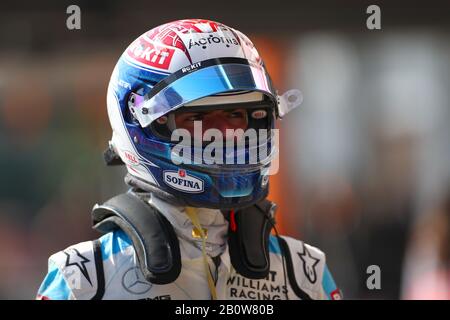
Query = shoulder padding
x=82 y=269
x=305 y=266
x=153 y=237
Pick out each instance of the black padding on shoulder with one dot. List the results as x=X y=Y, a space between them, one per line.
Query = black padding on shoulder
x=290 y=270
x=153 y=237
x=99 y=270
x=249 y=243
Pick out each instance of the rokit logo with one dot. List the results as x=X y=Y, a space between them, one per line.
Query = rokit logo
x=148 y=54
x=182 y=181
x=191 y=68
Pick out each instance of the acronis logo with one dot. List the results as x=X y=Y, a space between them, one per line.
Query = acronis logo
x=180 y=180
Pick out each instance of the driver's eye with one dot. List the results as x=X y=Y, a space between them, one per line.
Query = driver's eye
x=194 y=117
x=236 y=114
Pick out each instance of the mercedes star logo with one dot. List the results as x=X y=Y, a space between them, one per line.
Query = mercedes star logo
x=133 y=281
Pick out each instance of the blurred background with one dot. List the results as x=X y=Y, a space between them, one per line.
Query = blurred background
x=364 y=164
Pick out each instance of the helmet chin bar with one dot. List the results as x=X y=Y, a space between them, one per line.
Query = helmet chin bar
x=143 y=187
x=288 y=101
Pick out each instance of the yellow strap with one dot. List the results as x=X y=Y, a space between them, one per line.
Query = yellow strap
x=192 y=214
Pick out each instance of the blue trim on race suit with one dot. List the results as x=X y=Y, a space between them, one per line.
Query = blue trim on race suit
x=114 y=242
x=274 y=247
x=54 y=285
x=328 y=283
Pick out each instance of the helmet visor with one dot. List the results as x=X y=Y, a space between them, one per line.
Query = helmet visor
x=202 y=79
